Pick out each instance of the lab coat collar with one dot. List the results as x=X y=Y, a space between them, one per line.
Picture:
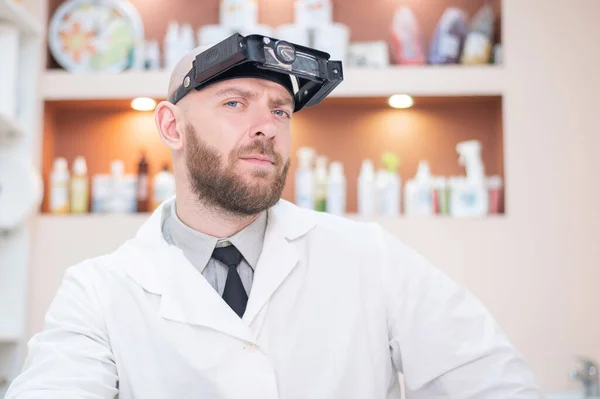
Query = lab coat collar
x=187 y=297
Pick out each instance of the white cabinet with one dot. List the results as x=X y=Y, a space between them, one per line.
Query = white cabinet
x=19 y=137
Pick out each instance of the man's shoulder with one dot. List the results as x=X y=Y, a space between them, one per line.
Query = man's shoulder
x=337 y=225
x=107 y=266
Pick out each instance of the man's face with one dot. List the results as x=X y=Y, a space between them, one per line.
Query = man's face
x=237 y=144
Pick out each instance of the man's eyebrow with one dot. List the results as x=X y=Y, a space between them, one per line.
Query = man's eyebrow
x=228 y=91
x=280 y=101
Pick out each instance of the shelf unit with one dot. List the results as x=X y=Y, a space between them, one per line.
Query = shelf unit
x=19 y=136
x=452 y=80
x=514 y=263
x=29 y=28
x=17 y=15
x=9 y=338
x=9 y=127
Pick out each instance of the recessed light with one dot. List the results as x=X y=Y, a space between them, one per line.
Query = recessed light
x=401 y=101
x=143 y=104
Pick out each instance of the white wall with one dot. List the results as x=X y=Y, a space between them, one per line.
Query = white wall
x=537 y=269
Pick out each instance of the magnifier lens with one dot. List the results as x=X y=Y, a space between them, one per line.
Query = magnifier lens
x=286 y=53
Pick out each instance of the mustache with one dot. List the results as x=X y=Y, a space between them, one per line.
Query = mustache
x=262 y=147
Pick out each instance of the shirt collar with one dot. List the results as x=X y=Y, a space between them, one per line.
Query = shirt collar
x=198 y=247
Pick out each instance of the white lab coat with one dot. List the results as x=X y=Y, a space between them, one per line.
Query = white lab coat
x=337 y=309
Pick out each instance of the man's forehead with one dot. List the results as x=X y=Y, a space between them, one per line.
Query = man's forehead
x=250 y=86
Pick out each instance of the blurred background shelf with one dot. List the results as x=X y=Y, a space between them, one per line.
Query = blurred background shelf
x=17 y=15
x=9 y=338
x=9 y=126
x=451 y=80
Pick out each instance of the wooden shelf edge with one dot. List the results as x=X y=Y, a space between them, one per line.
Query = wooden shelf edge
x=20 y=17
x=450 y=80
x=101 y=217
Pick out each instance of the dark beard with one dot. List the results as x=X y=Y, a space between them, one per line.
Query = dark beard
x=220 y=187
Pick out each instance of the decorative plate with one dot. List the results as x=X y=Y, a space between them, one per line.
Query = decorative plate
x=96 y=35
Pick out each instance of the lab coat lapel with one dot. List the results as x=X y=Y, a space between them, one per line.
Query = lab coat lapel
x=186 y=296
x=191 y=299
x=279 y=255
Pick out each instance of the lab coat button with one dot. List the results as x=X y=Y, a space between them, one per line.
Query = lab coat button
x=250 y=347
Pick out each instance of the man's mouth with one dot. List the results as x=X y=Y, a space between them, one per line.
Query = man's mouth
x=259 y=159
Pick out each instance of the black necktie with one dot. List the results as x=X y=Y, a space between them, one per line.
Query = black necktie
x=234 y=293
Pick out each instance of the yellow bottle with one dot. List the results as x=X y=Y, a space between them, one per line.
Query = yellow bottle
x=79 y=186
x=59 y=187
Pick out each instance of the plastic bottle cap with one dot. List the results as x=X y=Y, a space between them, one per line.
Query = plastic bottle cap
x=321 y=161
x=468 y=146
x=367 y=168
x=79 y=166
x=60 y=164
x=336 y=169
x=390 y=161
x=423 y=172
x=117 y=167
x=305 y=156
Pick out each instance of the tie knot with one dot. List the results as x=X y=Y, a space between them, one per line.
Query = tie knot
x=228 y=255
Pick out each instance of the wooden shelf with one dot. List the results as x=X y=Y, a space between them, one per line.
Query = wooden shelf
x=453 y=80
x=135 y=219
x=17 y=15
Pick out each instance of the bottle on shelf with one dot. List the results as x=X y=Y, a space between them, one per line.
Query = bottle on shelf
x=494 y=185
x=469 y=197
x=238 y=14
x=388 y=186
x=305 y=178
x=479 y=42
x=449 y=36
x=79 y=186
x=59 y=187
x=366 y=189
x=187 y=40
x=336 y=189
x=163 y=185
x=171 y=45
x=419 y=192
x=441 y=196
x=117 y=201
x=408 y=42
x=143 y=181
x=321 y=183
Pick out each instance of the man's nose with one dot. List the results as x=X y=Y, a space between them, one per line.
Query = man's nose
x=264 y=125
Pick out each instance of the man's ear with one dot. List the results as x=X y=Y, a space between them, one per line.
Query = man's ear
x=170 y=124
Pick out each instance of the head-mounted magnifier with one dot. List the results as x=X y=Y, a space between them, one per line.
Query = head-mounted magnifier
x=307 y=73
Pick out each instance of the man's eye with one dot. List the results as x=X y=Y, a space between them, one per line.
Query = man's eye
x=280 y=112
x=233 y=104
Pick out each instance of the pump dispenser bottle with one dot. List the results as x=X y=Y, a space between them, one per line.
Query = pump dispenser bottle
x=469 y=197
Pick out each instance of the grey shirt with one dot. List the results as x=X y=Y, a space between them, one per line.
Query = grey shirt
x=198 y=248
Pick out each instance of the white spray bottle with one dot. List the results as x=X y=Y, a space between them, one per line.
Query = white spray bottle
x=305 y=178
x=469 y=197
x=336 y=189
x=419 y=192
x=366 y=189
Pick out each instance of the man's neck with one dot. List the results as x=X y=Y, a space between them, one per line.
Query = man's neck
x=209 y=220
